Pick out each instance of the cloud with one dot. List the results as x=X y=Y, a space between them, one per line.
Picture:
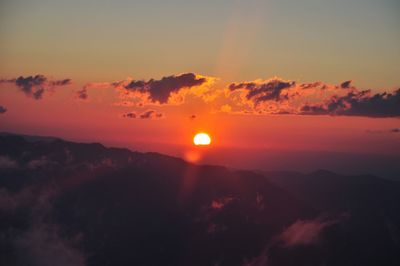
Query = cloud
x=82 y=94
x=62 y=82
x=39 y=241
x=2 y=109
x=358 y=103
x=218 y=204
x=395 y=130
x=305 y=232
x=278 y=96
x=261 y=260
x=149 y=114
x=346 y=84
x=167 y=90
x=192 y=117
x=130 y=115
x=41 y=162
x=7 y=163
x=42 y=245
x=261 y=91
x=36 y=86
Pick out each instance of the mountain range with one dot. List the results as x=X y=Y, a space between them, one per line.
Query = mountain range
x=67 y=203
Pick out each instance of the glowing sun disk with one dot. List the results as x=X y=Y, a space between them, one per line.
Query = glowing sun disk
x=201 y=139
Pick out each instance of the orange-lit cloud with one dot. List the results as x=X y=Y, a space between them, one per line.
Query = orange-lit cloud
x=167 y=90
x=272 y=96
x=278 y=96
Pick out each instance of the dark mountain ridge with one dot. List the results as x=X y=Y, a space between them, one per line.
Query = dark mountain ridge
x=66 y=203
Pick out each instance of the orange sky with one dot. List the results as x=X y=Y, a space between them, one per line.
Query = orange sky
x=256 y=75
x=100 y=118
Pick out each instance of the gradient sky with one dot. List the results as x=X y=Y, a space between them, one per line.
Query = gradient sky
x=96 y=43
x=243 y=40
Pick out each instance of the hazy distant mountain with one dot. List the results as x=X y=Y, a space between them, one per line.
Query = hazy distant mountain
x=65 y=203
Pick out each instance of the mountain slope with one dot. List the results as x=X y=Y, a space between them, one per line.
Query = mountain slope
x=117 y=207
x=66 y=203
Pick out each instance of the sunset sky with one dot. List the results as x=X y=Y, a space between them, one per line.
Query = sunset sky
x=258 y=76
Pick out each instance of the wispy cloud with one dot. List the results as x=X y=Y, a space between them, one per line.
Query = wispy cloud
x=305 y=232
x=6 y=163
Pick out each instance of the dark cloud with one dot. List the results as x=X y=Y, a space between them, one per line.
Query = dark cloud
x=192 y=117
x=313 y=110
x=159 y=91
x=2 y=109
x=358 y=103
x=264 y=91
x=276 y=96
x=346 y=84
x=311 y=85
x=149 y=114
x=395 y=130
x=35 y=86
x=62 y=82
x=82 y=94
x=130 y=115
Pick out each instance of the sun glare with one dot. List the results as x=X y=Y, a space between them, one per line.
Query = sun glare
x=201 y=139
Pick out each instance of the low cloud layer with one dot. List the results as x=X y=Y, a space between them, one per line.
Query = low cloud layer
x=43 y=245
x=7 y=163
x=305 y=232
x=36 y=86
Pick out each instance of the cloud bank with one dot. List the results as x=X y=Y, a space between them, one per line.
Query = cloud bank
x=272 y=96
x=278 y=96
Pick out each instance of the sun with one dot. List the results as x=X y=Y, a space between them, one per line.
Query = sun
x=202 y=139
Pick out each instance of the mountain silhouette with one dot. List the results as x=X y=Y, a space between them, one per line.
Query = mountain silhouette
x=67 y=203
